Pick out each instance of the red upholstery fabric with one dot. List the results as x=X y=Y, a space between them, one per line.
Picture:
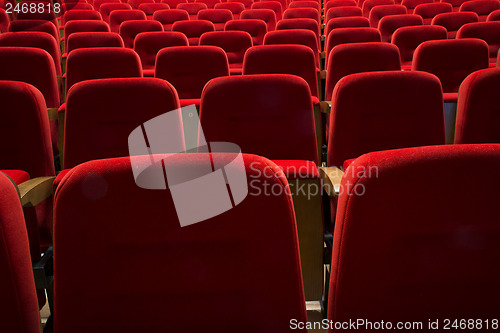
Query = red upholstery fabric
x=412 y=4
x=481 y=7
x=35 y=25
x=246 y=257
x=301 y=23
x=256 y=28
x=276 y=106
x=429 y=10
x=451 y=60
x=350 y=35
x=494 y=16
x=84 y=26
x=147 y=45
x=17 y=176
x=192 y=8
x=401 y=261
x=346 y=22
x=79 y=40
x=389 y=24
x=283 y=59
x=169 y=17
x=136 y=3
x=67 y=6
x=107 y=8
x=173 y=3
x=294 y=36
x=188 y=68
x=209 y=3
x=478 y=120
x=246 y=3
x=19 y=308
x=80 y=14
x=118 y=16
x=413 y=116
x=98 y=3
x=297 y=169
x=454 y=21
x=455 y=3
x=305 y=4
x=369 y=4
x=218 y=17
x=302 y=13
x=275 y=6
x=407 y=39
x=266 y=15
x=150 y=8
x=100 y=114
x=487 y=31
x=346 y=11
x=36 y=39
x=37 y=15
x=193 y=29
x=384 y=10
x=339 y=3
x=101 y=63
x=4 y=21
x=235 y=7
x=129 y=29
x=234 y=43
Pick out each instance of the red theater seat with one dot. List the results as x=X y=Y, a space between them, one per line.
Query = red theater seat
x=412 y=4
x=339 y=3
x=218 y=17
x=246 y=3
x=455 y=3
x=380 y=11
x=295 y=36
x=192 y=8
x=19 y=309
x=129 y=29
x=275 y=6
x=79 y=40
x=84 y=26
x=147 y=45
x=262 y=269
x=188 y=69
x=494 y=16
x=451 y=61
x=150 y=8
x=481 y=7
x=389 y=24
x=302 y=13
x=487 y=31
x=118 y=16
x=193 y=29
x=234 y=43
x=346 y=22
x=346 y=11
x=369 y=4
x=407 y=39
x=429 y=10
x=438 y=262
x=454 y=21
x=98 y=3
x=136 y=3
x=266 y=15
x=107 y=8
x=209 y=3
x=173 y=3
x=35 y=25
x=168 y=17
x=301 y=23
x=256 y=28
x=350 y=35
x=235 y=7
x=79 y=14
x=305 y=4
x=477 y=111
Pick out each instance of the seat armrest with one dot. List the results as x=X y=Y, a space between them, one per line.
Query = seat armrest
x=34 y=191
x=43 y=269
x=326 y=106
x=53 y=113
x=331 y=178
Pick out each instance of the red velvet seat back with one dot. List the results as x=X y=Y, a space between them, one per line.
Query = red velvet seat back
x=98 y=3
x=350 y=35
x=407 y=39
x=35 y=25
x=302 y=13
x=369 y=4
x=169 y=275
x=149 y=8
x=429 y=10
x=305 y=4
x=147 y=45
x=256 y=28
x=346 y=22
x=80 y=40
x=188 y=69
x=136 y=3
x=19 y=307
x=412 y=4
x=400 y=256
x=107 y=8
x=246 y=3
x=118 y=16
x=4 y=21
x=129 y=29
x=300 y=23
x=275 y=6
x=481 y=7
x=100 y=115
x=84 y=26
x=283 y=59
x=494 y=16
x=218 y=17
x=389 y=24
x=235 y=7
x=413 y=116
x=193 y=29
x=451 y=60
x=269 y=114
x=209 y=3
x=487 y=31
x=377 y=12
x=192 y=8
x=294 y=36
x=343 y=11
x=169 y=17
x=80 y=14
x=173 y=3
x=478 y=120
x=339 y=3
x=266 y=15
x=101 y=63
x=36 y=39
x=454 y=21
x=234 y=43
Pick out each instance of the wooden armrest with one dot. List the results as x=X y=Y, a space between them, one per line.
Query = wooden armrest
x=322 y=74
x=36 y=190
x=330 y=178
x=326 y=106
x=323 y=54
x=53 y=113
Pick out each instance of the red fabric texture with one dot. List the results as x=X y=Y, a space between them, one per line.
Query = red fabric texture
x=412 y=4
x=189 y=68
x=193 y=29
x=149 y=8
x=374 y=122
x=169 y=16
x=266 y=15
x=478 y=120
x=481 y=7
x=350 y=35
x=18 y=176
x=389 y=24
x=301 y=23
x=101 y=63
x=246 y=3
x=235 y=7
x=369 y=4
x=454 y=21
x=131 y=28
x=98 y=3
x=494 y=16
x=380 y=11
x=84 y=26
x=343 y=11
x=339 y=3
x=4 y=21
x=429 y=10
x=275 y=6
x=297 y=169
x=118 y=16
x=35 y=25
x=305 y=4
x=234 y=43
x=79 y=40
x=106 y=9
x=192 y=8
x=209 y=3
x=311 y=13
x=346 y=22
x=218 y=17
x=451 y=60
x=487 y=31
x=407 y=39
x=100 y=115
x=247 y=257
x=147 y=45
x=294 y=36
x=395 y=260
x=19 y=306
x=277 y=106
x=80 y=14
x=136 y=3
x=255 y=27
